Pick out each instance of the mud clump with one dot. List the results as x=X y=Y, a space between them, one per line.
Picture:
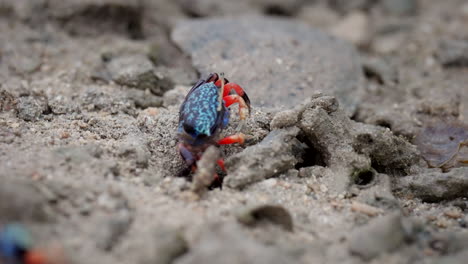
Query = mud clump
x=435 y=186
x=137 y=71
x=275 y=154
x=22 y=200
x=243 y=249
x=348 y=147
x=7 y=101
x=453 y=53
x=31 y=108
x=166 y=245
x=381 y=235
x=206 y=170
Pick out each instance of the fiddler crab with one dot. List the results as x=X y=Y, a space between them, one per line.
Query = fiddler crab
x=204 y=113
x=16 y=247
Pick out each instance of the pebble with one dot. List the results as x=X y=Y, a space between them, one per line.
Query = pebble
x=354 y=28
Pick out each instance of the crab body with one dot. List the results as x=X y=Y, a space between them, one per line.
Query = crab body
x=199 y=115
x=204 y=113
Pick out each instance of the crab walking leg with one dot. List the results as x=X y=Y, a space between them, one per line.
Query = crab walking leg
x=243 y=107
x=188 y=157
x=237 y=138
x=221 y=164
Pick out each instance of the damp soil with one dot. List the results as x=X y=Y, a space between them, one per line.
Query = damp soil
x=356 y=147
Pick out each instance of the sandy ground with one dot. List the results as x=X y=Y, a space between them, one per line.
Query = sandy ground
x=357 y=138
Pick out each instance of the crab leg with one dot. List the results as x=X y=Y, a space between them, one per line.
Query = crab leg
x=187 y=156
x=221 y=164
x=244 y=109
x=228 y=87
x=237 y=138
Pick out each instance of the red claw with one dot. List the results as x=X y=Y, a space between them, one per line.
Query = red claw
x=237 y=138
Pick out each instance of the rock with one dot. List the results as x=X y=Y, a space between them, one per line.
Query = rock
x=453 y=53
x=278 y=62
x=166 y=245
x=381 y=235
x=435 y=186
x=274 y=214
x=285 y=118
x=234 y=245
x=21 y=201
x=380 y=70
x=137 y=71
x=388 y=43
x=92 y=18
x=459 y=258
x=144 y=99
x=30 y=108
x=60 y=105
x=319 y=16
x=354 y=28
x=7 y=101
x=276 y=153
x=400 y=7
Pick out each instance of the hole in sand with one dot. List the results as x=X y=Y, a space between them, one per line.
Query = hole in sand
x=363 y=177
x=276 y=10
x=311 y=156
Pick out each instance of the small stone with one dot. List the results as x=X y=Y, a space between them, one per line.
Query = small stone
x=323 y=188
x=366 y=209
x=30 y=108
x=7 y=101
x=144 y=99
x=319 y=16
x=64 y=135
x=284 y=119
x=137 y=71
x=388 y=43
x=453 y=53
x=380 y=70
x=354 y=28
x=454 y=214
x=400 y=7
